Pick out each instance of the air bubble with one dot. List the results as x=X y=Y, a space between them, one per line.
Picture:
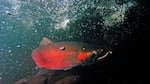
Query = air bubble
x=18 y=46
x=9 y=51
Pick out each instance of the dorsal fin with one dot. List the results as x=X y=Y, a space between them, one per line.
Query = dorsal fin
x=45 y=42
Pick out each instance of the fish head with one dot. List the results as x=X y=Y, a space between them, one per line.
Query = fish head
x=93 y=56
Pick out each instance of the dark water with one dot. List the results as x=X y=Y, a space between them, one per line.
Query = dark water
x=23 y=23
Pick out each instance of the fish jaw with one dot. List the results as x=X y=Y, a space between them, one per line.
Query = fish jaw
x=93 y=57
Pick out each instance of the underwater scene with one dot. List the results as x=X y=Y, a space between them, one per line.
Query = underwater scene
x=71 y=41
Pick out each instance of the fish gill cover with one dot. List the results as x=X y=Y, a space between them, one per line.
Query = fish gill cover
x=23 y=23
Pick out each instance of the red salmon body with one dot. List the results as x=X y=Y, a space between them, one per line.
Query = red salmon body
x=61 y=55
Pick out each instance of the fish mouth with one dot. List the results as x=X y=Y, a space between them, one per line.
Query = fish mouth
x=103 y=55
x=97 y=55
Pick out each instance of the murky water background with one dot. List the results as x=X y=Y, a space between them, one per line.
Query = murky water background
x=23 y=23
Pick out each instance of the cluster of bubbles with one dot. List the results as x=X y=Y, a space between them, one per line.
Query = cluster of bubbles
x=61 y=12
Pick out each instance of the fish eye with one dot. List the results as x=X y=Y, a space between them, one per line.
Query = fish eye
x=62 y=48
x=83 y=48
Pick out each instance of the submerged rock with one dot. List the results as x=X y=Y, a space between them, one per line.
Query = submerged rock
x=50 y=77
